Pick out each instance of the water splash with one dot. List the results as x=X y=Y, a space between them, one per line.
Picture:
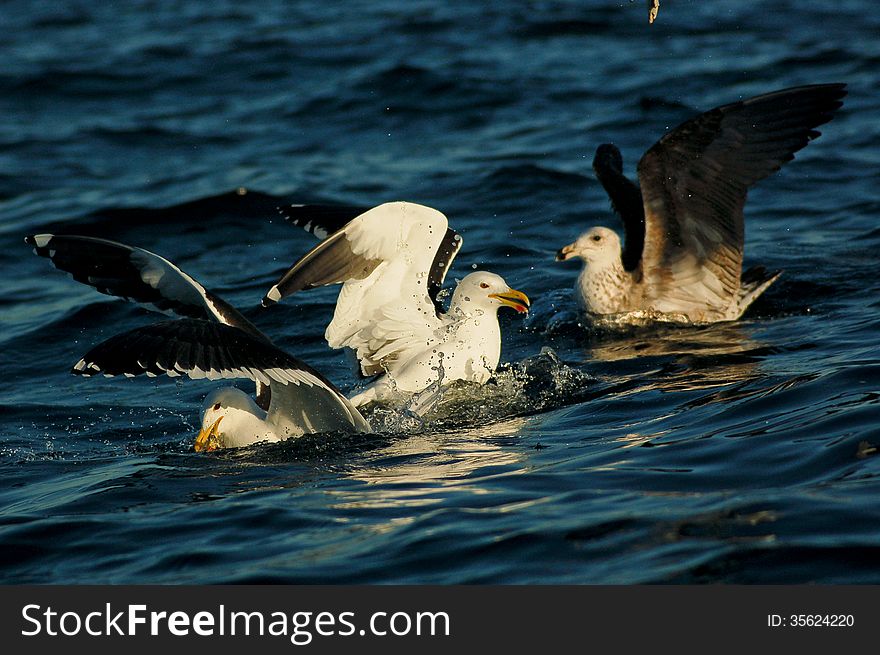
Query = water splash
x=535 y=384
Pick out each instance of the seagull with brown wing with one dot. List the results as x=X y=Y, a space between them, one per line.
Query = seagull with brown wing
x=682 y=257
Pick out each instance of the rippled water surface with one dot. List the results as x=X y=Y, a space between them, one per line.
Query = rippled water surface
x=744 y=452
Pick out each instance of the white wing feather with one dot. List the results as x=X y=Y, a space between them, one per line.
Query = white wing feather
x=389 y=313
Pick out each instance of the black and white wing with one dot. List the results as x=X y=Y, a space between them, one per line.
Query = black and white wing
x=210 y=350
x=321 y=220
x=143 y=277
x=326 y=220
x=137 y=275
x=449 y=247
x=694 y=183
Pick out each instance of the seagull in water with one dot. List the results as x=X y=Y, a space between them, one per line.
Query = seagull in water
x=212 y=341
x=682 y=258
x=391 y=261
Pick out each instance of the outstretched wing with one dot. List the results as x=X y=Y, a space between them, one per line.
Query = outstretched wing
x=384 y=259
x=137 y=275
x=209 y=350
x=626 y=200
x=449 y=247
x=321 y=220
x=325 y=220
x=694 y=183
x=143 y=277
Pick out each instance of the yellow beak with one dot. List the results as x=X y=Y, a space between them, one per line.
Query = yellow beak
x=513 y=298
x=208 y=439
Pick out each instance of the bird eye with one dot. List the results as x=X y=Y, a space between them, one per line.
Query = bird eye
x=596 y=237
x=216 y=406
x=483 y=285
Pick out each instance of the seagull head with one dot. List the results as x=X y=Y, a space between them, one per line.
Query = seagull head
x=224 y=410
x=598 y=246
x=488 y=291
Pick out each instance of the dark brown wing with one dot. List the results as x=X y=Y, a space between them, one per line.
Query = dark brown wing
x=694 y=183
x=626 y=200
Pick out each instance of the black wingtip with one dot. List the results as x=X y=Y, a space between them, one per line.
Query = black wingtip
x=40 y=243
x=837 y=91
x=608 y=157
x=81 y=369
x=33 y=240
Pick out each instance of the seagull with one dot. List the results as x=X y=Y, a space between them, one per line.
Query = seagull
x=682 y=257
x=212 y=341
x=391 y=261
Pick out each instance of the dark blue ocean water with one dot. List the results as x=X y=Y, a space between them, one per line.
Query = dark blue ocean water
x=744 y=452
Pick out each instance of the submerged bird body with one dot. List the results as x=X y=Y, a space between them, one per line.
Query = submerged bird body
x=682 y=258
x=391 y=261
x=213 y=341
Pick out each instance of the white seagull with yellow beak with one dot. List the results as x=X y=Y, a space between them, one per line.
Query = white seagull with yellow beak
x=391 y=261
x=213 y=342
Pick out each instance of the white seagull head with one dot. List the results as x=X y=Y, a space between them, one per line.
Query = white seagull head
x=598 y=247
x=488 y=292
x=226 y=413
